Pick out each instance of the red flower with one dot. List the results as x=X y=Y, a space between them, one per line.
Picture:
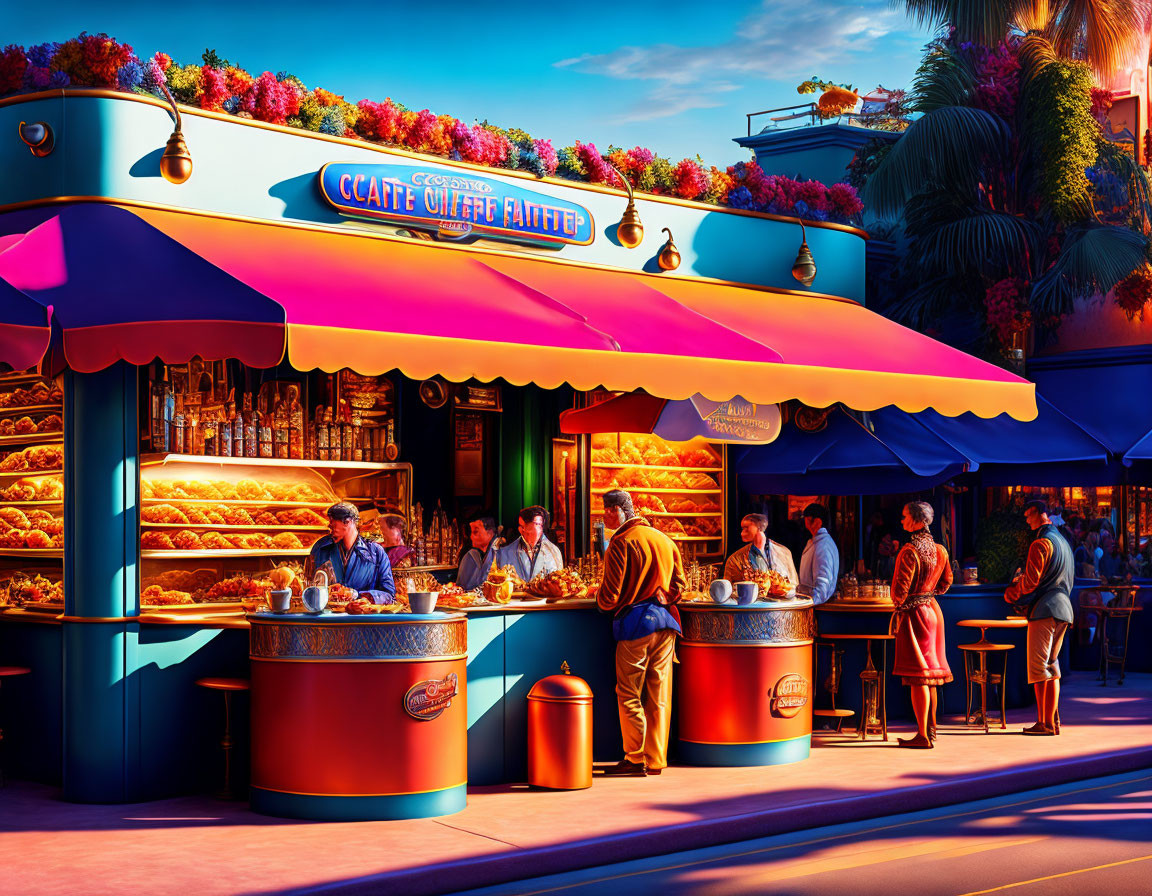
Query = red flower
x=268 y=99
x=215 y=89
x=690 y=178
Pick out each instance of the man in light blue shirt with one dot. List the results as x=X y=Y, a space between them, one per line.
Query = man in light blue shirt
x=820 y=562
x=532 y=554
x=477 y=562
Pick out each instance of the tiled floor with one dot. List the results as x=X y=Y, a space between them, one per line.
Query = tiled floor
x=199 y=846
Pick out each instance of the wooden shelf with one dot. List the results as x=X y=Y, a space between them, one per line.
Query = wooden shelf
x=43 y=553
x=148 y=554
x=148 y=460
x=59 y=503
x=28 y=474
x=223 y=527
x=661 y=491
x=256 y=502
x=32 y=438
x=640 y=511
x=596 y=464
x=29 y=409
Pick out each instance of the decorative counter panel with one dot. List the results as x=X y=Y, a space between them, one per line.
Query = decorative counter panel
x=744 y=691
x=359 y=717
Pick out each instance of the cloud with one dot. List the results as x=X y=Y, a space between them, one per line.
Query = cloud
x=781 y=39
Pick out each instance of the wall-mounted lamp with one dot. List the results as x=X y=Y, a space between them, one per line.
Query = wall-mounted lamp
x=176 y=163
x=629 y=231
x=38 y=137
x=804 y=268
x=669 y=257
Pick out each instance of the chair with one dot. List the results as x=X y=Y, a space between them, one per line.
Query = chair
x=1114 y=650
x=874 y=705
x=979 y=675
x=1088 y=618
x=9 y=672
x=832 y=685
x=227 y=686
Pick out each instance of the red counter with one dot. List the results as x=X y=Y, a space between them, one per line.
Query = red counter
x=744 y=683
x=359 y=717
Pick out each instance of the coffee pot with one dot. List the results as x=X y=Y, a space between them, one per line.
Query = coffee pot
x=315 y=596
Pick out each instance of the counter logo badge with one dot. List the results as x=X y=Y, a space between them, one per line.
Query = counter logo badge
x=426 y=700
x=790 y=695
x=454 y=206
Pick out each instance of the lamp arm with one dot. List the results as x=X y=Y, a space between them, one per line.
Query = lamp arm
x=175 y=108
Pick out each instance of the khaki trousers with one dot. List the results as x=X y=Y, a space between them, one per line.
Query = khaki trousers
x=644 y=693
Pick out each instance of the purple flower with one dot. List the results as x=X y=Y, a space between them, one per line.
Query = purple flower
x=231 y=104
x=740 y=197
x=59 y=79
x=41 y=54
x=130 y=75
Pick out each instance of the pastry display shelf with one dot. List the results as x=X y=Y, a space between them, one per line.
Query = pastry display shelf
x=28 y=410
x=645 y=490
x=59 y=502
x=20 y=440
x=148 y=554
x=147 y=460
x=224 y=527
x=691 y=513
x=643 y=466
x=27 y=474
x=43 y=553
x=252 y=502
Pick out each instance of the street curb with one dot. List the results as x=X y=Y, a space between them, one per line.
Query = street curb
x=517 y=865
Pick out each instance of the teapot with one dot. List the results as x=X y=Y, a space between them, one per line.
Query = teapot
x=315 y=596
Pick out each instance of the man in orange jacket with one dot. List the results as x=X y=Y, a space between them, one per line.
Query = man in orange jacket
x=643 y=579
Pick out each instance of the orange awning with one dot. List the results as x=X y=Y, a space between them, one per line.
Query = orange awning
x=376 y=304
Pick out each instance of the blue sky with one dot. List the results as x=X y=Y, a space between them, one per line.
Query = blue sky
x=674 y=76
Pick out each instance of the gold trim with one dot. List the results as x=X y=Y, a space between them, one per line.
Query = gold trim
x=101 y=93
x=353 y=796
x=98 y=618
x=335 y=661
x=685 y=642
x=388 y=237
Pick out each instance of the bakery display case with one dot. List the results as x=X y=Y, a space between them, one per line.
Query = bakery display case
x=213 y=529
x=31 y=492
x=677 y=486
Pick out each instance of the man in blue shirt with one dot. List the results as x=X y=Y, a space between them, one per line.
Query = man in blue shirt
x=357 y=564
x=820 y=562
x=532 y=554
x=477 y=562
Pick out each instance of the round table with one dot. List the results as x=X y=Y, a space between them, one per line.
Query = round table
x=980 y=676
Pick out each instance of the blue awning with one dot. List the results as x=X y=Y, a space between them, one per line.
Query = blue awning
x=1050 y=450
x=897 y=454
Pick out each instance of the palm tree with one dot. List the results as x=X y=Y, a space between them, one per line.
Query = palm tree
x=1102 y=33
x=990 y=179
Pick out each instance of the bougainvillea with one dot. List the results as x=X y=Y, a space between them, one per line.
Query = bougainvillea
x=216 y=84
x=1134 y=292
x=1006 y=306
x=997 y=71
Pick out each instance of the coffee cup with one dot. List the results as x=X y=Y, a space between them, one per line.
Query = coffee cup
x=721 y=591
x=280 y=601
x=747 y=592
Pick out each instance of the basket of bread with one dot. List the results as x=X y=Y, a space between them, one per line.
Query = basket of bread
x=501 y=584
x=773 y=585
x=563 y=584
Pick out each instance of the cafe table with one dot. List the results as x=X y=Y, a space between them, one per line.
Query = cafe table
x=980 y=676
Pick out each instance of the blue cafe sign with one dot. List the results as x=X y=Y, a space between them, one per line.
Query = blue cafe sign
x=455 y=205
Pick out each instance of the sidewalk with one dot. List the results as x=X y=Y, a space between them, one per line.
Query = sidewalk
x=202 y=846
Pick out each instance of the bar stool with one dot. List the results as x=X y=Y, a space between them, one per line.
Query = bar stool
x=981 y=677
x=1114 y=651
x=832 y=684
x=9 y=672
x=874 y=703
x=227 y=686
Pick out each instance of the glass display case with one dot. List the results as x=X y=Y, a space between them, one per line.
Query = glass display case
x=31 y=492
x=212 y=528
x=677 y=486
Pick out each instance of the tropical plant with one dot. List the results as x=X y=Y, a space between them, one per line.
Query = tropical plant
x=997 y=183
x=1102 y=33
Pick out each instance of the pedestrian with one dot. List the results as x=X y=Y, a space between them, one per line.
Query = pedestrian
x=922 y=572
x=642 y=582
x=820 y=562
x=1044 y=590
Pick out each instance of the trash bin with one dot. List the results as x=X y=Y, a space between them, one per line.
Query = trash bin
x=560 y=732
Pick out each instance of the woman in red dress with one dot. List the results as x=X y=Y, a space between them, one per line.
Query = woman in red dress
x=922 y=572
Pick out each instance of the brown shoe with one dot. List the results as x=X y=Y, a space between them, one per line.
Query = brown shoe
x=1039 y=730
x=626 y=769
x=654 y=771
x=915 y=743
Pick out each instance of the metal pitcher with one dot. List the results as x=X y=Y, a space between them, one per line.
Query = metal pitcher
x=315 y=596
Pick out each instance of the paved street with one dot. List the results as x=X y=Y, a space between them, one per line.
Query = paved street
x=1092 y=836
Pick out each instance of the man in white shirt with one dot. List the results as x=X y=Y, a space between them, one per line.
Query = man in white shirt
x=820 y=562
x=759 y=551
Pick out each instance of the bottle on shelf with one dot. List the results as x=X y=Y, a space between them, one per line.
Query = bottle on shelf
x=280 y=429
x=265 y=429
x=251 y=428
x=321 y=434
x=357 y=437
x=178 y=427
x=295 y=414
x=158 y=403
